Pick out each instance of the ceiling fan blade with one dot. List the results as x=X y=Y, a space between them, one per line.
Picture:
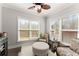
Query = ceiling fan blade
x=31 y=7
x=45 y=6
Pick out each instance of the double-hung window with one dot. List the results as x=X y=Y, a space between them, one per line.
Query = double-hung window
x=28 y=30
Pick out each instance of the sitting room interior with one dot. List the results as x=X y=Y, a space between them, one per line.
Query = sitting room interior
x=39 y=29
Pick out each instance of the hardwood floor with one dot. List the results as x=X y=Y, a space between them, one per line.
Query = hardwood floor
x=14 y=51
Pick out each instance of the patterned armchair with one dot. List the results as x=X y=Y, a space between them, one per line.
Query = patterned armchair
x=70 y=50
x=44 y=38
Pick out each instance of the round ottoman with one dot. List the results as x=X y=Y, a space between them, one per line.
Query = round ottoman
x=40 y=49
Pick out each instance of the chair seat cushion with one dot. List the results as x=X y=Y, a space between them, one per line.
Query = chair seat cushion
x=40 y=45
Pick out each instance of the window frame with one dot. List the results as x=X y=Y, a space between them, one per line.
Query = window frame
x=30 y=29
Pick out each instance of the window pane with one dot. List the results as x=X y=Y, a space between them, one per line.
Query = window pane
x=23 y=24
x=70 y=22
x=34 y=25
x=34 y=33
x=23 y=32
x=24 y=35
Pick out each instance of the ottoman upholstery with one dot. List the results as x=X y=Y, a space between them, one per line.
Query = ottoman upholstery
x=40 y=49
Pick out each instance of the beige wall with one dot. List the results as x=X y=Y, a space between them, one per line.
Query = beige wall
x=0 y=18
x=10 y=25
x=9 y=22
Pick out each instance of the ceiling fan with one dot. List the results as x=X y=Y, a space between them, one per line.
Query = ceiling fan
x=40 y=6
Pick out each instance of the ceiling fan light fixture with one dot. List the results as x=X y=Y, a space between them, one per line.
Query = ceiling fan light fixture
x=40 y=6
x=39 y=10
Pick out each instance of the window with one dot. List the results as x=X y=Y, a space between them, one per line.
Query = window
x=27 y=29
x=65 y=29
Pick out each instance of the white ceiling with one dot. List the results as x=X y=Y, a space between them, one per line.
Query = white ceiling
x=55 y=7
